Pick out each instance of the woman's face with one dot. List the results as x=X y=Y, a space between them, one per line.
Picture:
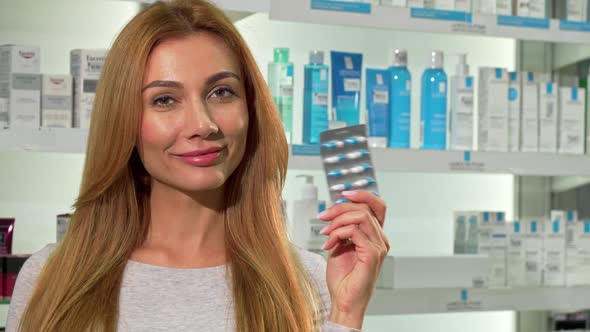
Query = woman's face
x=195 y=116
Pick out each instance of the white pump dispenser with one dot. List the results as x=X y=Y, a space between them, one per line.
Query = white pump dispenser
x=461 y=112
x=305 y=210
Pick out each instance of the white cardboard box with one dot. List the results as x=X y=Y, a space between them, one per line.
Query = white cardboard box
x=515 y=109
x=493 y=109
x=578 y=271
x=515 y=257
x=463 y=5
x=85 y=67
x=554 y=253
x=548 y=116
x=56 y=101
x=461 y=228
x=571 y=120
x=538 y=8
x=504 y=7
x=485 y=7
x=530 y=113
x=534 y=253
x=20 y=59
x=20 y=100
x=459 y=271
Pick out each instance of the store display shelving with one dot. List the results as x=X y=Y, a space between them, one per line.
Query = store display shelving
x=433 y=21
x=422 y=301
x=63 y=140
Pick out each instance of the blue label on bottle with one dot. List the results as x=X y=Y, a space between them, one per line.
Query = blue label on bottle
x=574 y=26
x=289 y=71
x=586 y=226
x=498 y=72
x=555 y=226
x=574 y=93
x=570 y=215
x=533 y=227
x=342 y=6
x=464 y=295
x=305 y=149
x=486 y=216
x=469 y=82
x=549 y=88
x=512 y=94
x=513 y=76
x=531 y=76
x=467 y=156
x=500 y=216
x=525 y=22
x=516 y=227
x=445 y=15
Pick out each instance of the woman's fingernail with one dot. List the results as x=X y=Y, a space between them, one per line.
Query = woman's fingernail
x=323 y=230
x=325 y=245
x=349 y=193
x=322 y=214
x=342 y=200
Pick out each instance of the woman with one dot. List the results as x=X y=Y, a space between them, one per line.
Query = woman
x=177 y=226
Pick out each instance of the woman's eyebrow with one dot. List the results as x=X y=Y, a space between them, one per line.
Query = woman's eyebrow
x=163 y=84
x=221 y=75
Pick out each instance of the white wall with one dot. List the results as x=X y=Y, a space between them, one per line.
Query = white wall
x=36 y=187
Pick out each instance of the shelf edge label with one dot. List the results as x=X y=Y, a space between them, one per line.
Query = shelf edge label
x=523 y=22
x=444 y=15
x=574 y=26
x=305 y=149
x=341 y=6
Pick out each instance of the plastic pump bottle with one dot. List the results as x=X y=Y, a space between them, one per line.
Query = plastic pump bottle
x=304 y=210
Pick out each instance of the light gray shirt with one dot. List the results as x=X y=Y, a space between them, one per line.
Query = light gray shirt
x=155 y=298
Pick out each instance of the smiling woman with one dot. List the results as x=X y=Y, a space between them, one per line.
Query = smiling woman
x=177 y=226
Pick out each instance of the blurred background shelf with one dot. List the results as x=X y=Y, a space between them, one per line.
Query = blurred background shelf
x=422 y=301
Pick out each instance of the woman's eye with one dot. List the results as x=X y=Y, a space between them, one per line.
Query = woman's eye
x=164 y=101
x=223 y=93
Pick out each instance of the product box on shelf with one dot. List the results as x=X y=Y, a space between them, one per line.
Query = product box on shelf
x=504 y=7
x=485 y=7
x=515 y=257
x=20 y=100
x=396 y=3
x=515 y=110
x=530 y=113
x=20 y=59
x=63 y=223
x=416 y=3
x=459 y=271
x=576 y=10
x=85 y=67
x=578 y=269
x=56 y=101
x=548 y=116
x=11 y=266
x=554 y=253
x=493 y=109
x=461 y=227
x=533 y=246
x=463 y=6
x=572 y=102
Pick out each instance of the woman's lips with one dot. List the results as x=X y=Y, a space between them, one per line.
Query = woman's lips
x=205 y=157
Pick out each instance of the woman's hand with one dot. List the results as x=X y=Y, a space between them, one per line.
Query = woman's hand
x=354 y=265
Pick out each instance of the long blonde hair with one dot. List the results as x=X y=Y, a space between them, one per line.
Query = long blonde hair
x=79 y=287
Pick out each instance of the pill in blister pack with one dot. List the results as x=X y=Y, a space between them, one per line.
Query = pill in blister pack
x=349 y=141
x=348 y=156
x=347 y=161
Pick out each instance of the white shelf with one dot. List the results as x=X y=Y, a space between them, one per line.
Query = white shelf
x=429 y=161
x=396 y=18
x=250 y=6
x=63 y=140
x=422 y=301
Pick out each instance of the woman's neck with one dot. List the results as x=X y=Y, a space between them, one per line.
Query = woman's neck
x=186 y=230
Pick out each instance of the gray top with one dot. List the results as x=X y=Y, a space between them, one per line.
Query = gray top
x=155 y=298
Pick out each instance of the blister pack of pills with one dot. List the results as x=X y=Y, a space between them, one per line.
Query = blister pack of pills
x=347 y=161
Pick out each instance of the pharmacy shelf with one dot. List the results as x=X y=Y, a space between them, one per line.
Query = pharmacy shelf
x=422 y=301
x=436 y=21
x=250 y=6
x=430 y=161
x=63 y=140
